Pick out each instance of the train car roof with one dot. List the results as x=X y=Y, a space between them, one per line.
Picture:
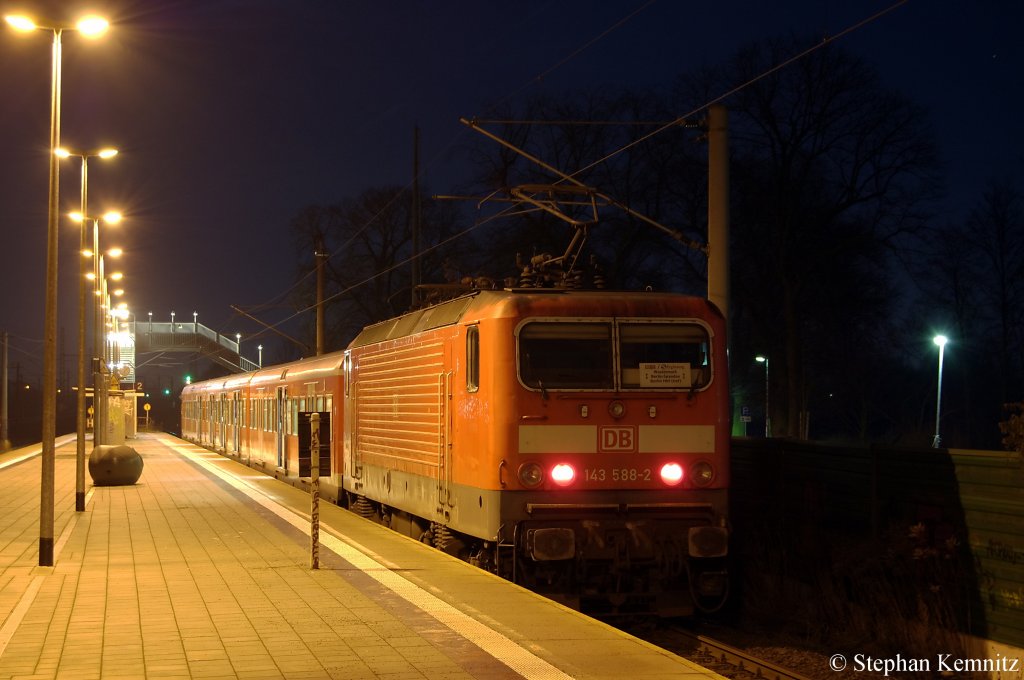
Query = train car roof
x=308 y=368
x=498 y=303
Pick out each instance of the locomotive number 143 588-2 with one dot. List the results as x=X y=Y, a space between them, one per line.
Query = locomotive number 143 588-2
x=618 y=474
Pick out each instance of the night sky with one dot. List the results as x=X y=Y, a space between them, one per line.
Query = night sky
x=231 y=116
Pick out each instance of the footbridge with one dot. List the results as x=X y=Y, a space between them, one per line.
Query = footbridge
x=192 y=337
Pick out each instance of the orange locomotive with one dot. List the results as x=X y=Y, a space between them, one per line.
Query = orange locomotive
x=576 y=442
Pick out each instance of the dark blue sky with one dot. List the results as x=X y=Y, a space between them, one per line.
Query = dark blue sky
x=231 y=116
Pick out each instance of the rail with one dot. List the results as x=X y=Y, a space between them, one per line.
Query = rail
x=737 y=658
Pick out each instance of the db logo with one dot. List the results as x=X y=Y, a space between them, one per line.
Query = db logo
x=617 y=439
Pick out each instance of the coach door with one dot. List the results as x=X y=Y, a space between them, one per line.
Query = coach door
x=211 y=422
x=222 y=416
x=236 y=420
x=279 y=415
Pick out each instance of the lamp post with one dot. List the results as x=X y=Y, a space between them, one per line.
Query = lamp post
x=90 y=26
x=260 y=348
x=762 y=359
x=941 y=341
x=105 y=313
x=82 y=300
x=111 y=217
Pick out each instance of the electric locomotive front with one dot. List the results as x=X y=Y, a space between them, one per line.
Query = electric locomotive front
x=615 y=474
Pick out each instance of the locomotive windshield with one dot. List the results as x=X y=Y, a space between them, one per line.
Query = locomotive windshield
x=557 y=355
x=579 y=355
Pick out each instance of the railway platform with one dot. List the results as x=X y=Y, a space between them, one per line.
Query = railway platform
x=201 y=570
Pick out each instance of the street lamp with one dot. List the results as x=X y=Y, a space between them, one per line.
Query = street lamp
x=90 y=26
x=260 y=348
x=762 y=359
x=96 y=276
x=108 y=319
x=82 y=299
x=941 y=341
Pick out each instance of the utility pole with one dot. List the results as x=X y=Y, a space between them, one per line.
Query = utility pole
x=416 y=271
x=5 y=436
x=718 y=209
x=319 y=254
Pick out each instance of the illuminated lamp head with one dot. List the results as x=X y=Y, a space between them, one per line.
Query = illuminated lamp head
x=563 y=474
x=672 y=474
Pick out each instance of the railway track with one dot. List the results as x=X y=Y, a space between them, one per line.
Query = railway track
x=728 y=660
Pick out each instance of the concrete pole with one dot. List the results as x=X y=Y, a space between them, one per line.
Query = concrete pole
x=5 y=433
x=416 y=217
x=718 y=209
x=319 y=254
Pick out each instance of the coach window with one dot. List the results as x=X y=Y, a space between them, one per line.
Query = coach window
x=566 y=355
x=472 y=359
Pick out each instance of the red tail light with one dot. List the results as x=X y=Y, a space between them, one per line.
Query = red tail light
x=672 y=473
x=563 y=474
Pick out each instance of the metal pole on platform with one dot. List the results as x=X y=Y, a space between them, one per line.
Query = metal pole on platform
x=941 y=341
x=314 y=490
x=82 y=304
x=83 y=301
x=88 y=26
x=5 y=440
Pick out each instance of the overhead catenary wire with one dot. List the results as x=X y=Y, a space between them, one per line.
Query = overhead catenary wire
x=827 y=40
x=571 y=176
x=617 y=24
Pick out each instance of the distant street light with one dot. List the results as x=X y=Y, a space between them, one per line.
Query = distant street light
x=260 y=348
x=96 y=276
x=941 y=341
x=90 y=26
x=101 y=392
x=762 y=359
x=82 y=302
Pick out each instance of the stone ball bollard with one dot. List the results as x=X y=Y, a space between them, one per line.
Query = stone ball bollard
x=111 y=465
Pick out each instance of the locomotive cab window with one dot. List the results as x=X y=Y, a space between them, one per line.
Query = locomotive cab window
x=627 y=354
x=559 y=355
x=663 y=356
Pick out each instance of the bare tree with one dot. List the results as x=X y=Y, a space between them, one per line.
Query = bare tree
x=831 y=172
x=368 y=240
x=996 y=229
